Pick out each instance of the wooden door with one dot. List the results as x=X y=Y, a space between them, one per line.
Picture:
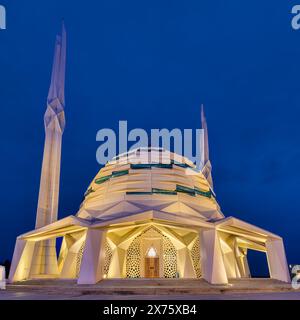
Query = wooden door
x=152 y=267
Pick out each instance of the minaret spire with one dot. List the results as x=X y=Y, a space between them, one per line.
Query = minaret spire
x=45 y=260
x=56 y=94
x=204 y=127
x=54 y=121
x=206 y=169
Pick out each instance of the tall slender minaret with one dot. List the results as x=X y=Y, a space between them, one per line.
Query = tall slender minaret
x=45 y=260
x=206 y=169
x=54 y=121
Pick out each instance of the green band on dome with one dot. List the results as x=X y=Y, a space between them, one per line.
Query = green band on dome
x=203 y=193
x=119 y=173
x=139 y=192
x=163 y=191
x=183 y=189
x=102 y=179
x=140 y=166
x=151 y=165
x=179 y=188
x=113 y=175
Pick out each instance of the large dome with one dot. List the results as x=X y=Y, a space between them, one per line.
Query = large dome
x=149 y=179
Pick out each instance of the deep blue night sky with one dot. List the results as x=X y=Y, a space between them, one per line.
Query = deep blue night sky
x=153 y=63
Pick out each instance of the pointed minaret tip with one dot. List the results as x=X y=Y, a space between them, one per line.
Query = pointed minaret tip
x=203 y=119
x=206 y=170
x=59 y=67
x=204 y=127
x=56 y=94
x=63 y=28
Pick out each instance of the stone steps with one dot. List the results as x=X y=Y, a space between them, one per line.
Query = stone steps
x=150 y=287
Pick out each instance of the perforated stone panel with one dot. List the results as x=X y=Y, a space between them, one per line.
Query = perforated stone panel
x=170 y=258
x=195 y=254
x=133 y=259
x=107 y=257
x=133 y=256
x=79 y=259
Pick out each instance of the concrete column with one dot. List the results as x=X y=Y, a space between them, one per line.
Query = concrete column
x=229 y=256
x=117 y=263
x=213 y=268
x=69 y=267
x=44 y=260
x=92 y=264
x=246 y=266
x=241 y=257
x=185 y=264
x=278 y=267
x=2 y=278
x=21 y=263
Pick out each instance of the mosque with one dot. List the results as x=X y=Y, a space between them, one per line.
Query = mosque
x=148 y=213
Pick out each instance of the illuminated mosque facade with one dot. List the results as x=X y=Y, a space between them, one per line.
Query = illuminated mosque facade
x=148 y=213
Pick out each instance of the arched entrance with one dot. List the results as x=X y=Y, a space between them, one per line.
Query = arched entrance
x=151 y=255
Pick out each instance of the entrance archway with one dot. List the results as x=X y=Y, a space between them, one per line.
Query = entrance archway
x=140 y=265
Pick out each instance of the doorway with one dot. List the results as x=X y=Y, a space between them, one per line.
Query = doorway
x=152 y=267
x=152 y=263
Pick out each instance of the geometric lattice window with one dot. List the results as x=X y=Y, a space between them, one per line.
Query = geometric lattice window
x=107 y=257
x=170 y=258
x=133 y=259
x=79 y=259
x=195 y=254
x=133 y=256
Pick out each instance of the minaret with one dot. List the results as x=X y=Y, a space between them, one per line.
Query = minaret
x=45 y=260
x=54 y=121
x=206 y=168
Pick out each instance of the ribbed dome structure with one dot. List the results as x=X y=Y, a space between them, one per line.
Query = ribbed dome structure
x=149 y=179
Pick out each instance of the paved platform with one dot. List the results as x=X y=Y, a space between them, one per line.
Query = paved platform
x=150 y=289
